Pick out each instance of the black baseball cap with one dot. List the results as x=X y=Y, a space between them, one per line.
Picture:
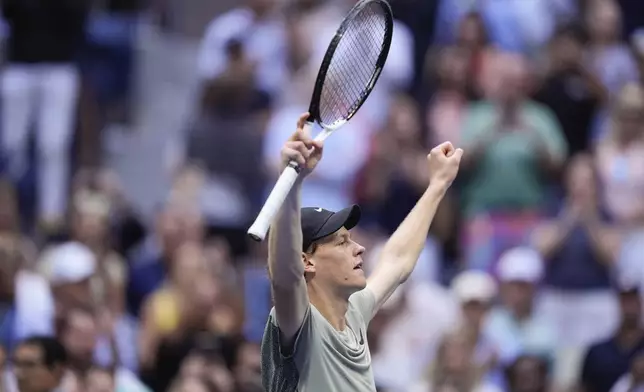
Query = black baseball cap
x=318 y=223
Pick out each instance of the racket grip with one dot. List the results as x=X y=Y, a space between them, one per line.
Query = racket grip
x=275 y=200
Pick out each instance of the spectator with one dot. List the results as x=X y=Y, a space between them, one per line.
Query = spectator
x=456 y=368
x=608 y=56
x=608 y=360
x=570 y=90
x=80 y=333
x=475 y=291
x=175 y=224
x=39 y=364
x=40 y=84
x=514 y=145
x=70 y=269
x=580 y=247
x=257 y=30
x=620 y=159
x=472 y=37
x=449 y=102
x=173 y=314
x=528 y=374
x=234 y=112
x=516 y=326
x=395 y=169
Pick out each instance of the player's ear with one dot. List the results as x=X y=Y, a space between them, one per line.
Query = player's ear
x=309 y=263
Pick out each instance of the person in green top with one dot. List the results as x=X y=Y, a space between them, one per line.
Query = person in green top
x=515 y=149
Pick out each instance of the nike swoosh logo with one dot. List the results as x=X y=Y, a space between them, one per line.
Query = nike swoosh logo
x=318 y=209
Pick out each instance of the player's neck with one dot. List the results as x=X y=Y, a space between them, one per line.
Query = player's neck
x=332 y=307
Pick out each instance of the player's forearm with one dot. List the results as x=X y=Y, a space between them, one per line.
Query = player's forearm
x=407 y=242
x=285 y=243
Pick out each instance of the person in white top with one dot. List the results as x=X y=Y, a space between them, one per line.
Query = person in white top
x=261 y=32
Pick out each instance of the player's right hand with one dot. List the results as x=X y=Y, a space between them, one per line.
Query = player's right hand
x=301 y=148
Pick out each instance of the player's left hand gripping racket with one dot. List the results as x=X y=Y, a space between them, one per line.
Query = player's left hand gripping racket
x=349 y=72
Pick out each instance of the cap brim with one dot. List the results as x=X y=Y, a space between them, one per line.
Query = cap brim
x=347 y=218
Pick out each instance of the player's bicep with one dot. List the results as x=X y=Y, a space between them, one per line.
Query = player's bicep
x=291 y=307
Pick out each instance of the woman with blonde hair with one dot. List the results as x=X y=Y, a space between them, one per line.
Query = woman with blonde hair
x=620 y=158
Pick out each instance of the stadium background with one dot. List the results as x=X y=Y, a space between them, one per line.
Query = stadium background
x=154 y=129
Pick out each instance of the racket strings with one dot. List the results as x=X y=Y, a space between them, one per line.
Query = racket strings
x=354 y=65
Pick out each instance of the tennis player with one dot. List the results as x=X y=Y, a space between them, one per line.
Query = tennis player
x=315 y=339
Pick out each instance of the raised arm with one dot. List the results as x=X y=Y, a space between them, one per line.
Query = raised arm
x=286 y=269
x=401 y=252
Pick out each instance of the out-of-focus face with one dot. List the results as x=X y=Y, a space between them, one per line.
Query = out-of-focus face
x=512 y=74
x=604 y=20
x=99 y=380
x=518 y=296
x=628 y=112
x=474 y=313
x=32 y=374
x=471 y=32
x=336 y=264
x=455 y=355
x=262 y=6
x=404 y=121
x=80 y=336
x=566 y=52
x=192 y=275
x=178 y=224
x=453 y=67
x=528 y=375
x=580 y=180
x=631 y=308
x=192 y=385
x=90 y=227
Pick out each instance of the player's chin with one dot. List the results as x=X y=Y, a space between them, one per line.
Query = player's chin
x=358 y=282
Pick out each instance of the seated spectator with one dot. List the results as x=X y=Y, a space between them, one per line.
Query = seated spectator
x=174 y=313
x=528 y=373
x=475 y=291
x=608 y=360
x=580 y=246
x=175 y=224
x=70 y=269
x=39 y=364
x=609 y=57
x=516 y=326
x=456 y=367
x=620 y=159
x=80 y=333
x=514 y=146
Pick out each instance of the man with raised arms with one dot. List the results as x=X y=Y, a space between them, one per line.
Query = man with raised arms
x=315 y=335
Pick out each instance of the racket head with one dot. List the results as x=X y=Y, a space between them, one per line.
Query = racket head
x=352 y=64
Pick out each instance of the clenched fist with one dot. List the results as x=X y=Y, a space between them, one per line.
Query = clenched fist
x=301 y=148
x=443 y=162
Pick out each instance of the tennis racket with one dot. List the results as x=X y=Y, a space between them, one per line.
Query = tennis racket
x=349 y=72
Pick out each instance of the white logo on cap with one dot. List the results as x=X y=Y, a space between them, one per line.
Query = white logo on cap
x=318 y=209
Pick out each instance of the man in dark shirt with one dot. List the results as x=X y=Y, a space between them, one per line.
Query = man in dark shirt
x=608 y=360
x=570 y=90
x=40 y=87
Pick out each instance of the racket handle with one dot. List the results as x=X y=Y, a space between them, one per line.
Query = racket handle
x=273 y=204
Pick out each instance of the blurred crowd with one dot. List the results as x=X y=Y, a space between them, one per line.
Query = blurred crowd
x=531 y=279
